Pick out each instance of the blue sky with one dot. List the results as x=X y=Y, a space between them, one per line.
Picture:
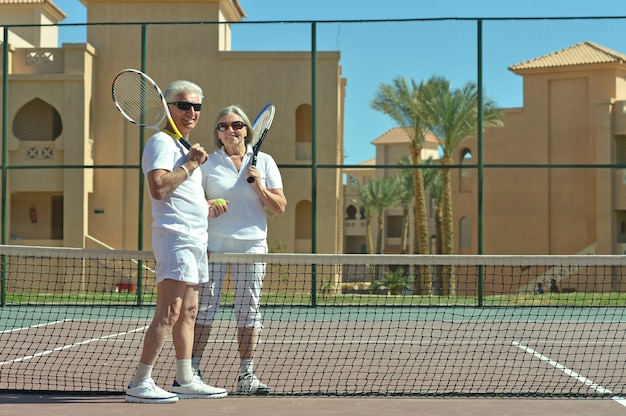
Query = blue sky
x=372 y=54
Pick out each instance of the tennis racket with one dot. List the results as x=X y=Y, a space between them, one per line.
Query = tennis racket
x=261 y=125
x=141 y=102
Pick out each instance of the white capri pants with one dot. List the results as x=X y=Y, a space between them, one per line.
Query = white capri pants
x=247 y=280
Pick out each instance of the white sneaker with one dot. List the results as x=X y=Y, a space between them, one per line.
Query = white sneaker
x=250 y=384
x=149 y=392
x=197 y=389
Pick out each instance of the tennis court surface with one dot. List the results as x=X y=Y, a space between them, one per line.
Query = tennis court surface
x=340 y=332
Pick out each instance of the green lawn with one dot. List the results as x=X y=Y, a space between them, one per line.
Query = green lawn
x=304 y=299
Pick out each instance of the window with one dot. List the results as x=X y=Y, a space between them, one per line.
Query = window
x=394 y=225
x=56 y=225
x=465 y=174
x=303 y=220
x=304 y=131
x=37 y=121
x=465 y=234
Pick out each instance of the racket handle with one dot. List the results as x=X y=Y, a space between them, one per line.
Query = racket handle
x=185 y=143
x=251 y=178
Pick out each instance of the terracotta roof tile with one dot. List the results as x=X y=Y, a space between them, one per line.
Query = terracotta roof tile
x=368 y=162
x=583 y=53
x=398 y=135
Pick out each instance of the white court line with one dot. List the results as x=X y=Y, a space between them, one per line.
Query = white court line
x=33 y=326
x=571 y=373
x=87 y=341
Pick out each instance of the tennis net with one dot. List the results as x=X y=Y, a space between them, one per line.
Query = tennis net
x=72 y=320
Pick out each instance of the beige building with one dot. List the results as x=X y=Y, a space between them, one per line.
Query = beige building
x=60 y=112
x=574 y=114
x=391 y=146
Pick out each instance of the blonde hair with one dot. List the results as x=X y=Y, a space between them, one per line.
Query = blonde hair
x=232 y=109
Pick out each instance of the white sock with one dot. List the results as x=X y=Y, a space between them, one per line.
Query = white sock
x=246 y=367
x=142 y=373
x=184 y=373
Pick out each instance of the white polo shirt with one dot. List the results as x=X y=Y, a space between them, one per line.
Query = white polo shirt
x=246 y=218
x=185 y=211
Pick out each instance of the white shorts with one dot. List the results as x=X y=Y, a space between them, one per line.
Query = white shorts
x=180 y=258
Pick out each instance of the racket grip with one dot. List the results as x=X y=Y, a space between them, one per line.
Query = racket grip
x=185 y=143
x=251 y=178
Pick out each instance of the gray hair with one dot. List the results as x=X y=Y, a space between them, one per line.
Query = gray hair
x=232 y=109
x=179 y=86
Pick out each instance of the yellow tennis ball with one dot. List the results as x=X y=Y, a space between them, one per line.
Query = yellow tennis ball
x=220 y=201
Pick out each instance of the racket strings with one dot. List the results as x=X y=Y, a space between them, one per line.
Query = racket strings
x=138 y=99
x=262 y=123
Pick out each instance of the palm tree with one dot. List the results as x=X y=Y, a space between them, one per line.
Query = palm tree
x=377 y=195
x=385 y=193
x=367 y=209
x=452 y=115
x=406 y=197
x=432 y=183
x=400 y=100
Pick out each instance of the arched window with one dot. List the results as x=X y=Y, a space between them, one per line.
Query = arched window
x=465 y=235
x=304 y=131
x=37 y=121
x=351 y=212
x=303 y=226
x=465 y=174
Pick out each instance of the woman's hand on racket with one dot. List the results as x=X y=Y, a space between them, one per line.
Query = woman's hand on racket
x=253 y=173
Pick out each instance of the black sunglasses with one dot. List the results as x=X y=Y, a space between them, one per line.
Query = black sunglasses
x=185 y=105
x=236 y=125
